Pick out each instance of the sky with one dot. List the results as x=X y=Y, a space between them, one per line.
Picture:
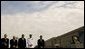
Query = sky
x=47 y=18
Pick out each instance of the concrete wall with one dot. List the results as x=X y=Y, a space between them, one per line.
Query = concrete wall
x=66 y=39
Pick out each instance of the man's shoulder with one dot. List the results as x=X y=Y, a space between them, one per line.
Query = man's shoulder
x=11 y=40
x=4 y=38
x=25 y=38
x=38 y=39
x=19 y=38
x=7 y=38
x=43 y=39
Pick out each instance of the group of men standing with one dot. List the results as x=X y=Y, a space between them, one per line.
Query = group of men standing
x=21 y=42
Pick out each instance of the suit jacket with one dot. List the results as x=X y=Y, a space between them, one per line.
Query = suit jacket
x=13 y=43
x=22 y=43
x=4 y=42
x=41 y=43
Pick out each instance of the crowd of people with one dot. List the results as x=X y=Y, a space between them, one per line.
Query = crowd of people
x=21 y=42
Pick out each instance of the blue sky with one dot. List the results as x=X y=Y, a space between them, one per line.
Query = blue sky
x=26 y=6
x=11 y=7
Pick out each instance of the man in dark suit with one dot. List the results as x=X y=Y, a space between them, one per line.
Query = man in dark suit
x=5 y=42
x=13 y=42
x=22 y=42
x=41 y=42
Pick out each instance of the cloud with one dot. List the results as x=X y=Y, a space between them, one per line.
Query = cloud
x=67 y=4
x=51 y=18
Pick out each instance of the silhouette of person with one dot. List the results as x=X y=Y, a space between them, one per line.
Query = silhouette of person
x=22 y=42
x=13 y=42
x=41 y=42
x=5 y=42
